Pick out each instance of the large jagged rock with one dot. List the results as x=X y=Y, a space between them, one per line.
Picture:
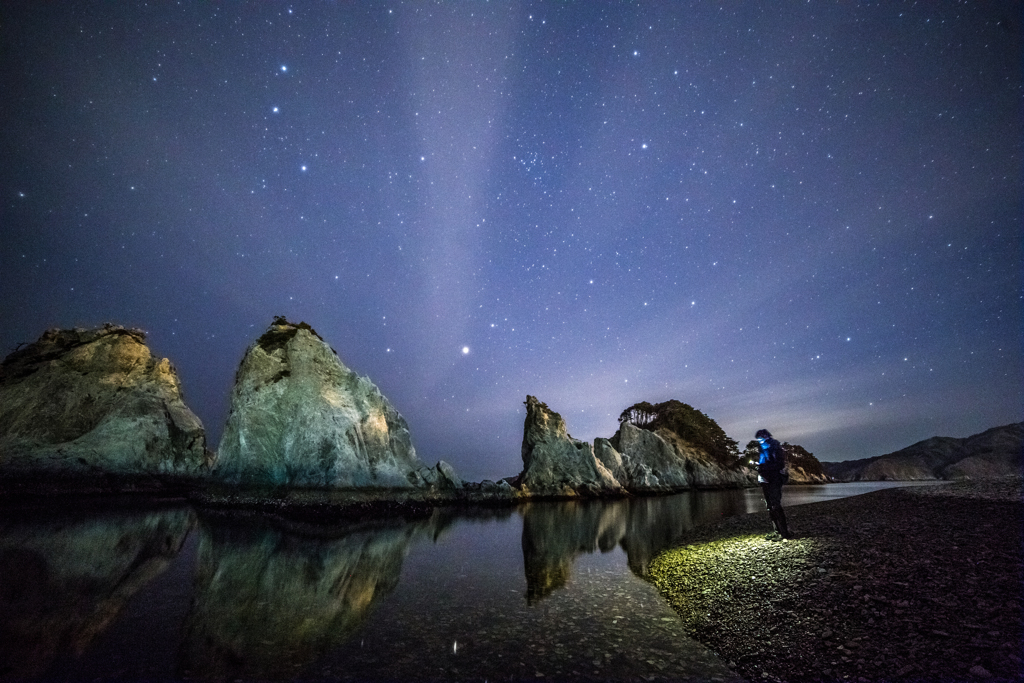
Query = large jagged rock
x=300 y=418
x=635 y=460
x=557 y=465
x=95 y=403
x=662 y=461
x=997 y=452
x=803 y=467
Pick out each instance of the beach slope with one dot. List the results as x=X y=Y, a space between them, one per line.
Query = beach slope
x=916 y=584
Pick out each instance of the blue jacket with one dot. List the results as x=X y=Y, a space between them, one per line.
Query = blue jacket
x=772 y=460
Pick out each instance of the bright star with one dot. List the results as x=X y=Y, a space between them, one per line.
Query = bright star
x=303 y=168
x=465 y=350
x=276 y=110
x=284 y=68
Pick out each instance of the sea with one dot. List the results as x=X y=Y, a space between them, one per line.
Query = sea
x=541 y=591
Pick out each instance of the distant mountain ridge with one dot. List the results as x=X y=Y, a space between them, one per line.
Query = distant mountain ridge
x=996 y=452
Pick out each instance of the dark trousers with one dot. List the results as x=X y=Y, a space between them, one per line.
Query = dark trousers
x=773 y=499
x=773 y=493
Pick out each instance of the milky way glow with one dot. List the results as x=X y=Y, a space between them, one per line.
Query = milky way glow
x=801 y=216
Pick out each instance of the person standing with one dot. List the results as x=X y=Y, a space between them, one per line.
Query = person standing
x=771 y=475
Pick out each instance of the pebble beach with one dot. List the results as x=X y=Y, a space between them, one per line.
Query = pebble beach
x=905 y=584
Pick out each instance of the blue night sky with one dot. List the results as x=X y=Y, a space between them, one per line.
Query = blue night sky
x=804 y=216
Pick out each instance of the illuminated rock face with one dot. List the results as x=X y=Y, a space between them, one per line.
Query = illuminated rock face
x=64 y=580
x=635 y=460
x=661 y=461
x=300 y=418
x=96 y=402
x=554 y=463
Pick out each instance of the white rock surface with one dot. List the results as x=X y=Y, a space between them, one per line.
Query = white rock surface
x=635 y=460
x=557 y=465
x=300 y=418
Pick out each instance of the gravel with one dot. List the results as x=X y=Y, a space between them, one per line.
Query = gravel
x=914 y=584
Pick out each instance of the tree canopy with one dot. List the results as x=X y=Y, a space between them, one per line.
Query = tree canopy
x=688 y=423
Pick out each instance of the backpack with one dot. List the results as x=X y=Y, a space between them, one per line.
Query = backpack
x=776 y=464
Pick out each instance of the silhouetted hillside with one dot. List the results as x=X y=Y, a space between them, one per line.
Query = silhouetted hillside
x=997 y=452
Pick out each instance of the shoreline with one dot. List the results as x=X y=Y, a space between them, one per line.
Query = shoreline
x=915 y=584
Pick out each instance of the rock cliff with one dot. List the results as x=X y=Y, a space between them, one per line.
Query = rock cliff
x=301 y=419
x=661 y=461
x=804 y=468
x=997 y=452
x=557 y=465
x=95 y=403
x=635 y=460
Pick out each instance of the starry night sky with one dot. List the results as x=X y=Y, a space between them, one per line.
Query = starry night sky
x=804 y=216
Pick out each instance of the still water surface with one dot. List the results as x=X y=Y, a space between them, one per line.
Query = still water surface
x=543 y=591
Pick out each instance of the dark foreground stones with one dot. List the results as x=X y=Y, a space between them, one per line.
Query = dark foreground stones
x=917 y=584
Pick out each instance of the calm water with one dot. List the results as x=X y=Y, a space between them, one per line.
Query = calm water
x=542 y=591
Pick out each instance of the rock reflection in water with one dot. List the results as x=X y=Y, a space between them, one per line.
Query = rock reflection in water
x=65 y=579
x=268 y=601
x=554 y=534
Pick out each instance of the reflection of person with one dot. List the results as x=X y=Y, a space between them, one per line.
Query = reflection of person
x=771 y=475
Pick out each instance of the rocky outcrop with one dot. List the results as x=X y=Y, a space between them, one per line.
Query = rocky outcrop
x=803 y=467
x=635 y=460
x=95 y=403
x=799 y=475
x=661 y=461
x=557 y=465
x=997 y=452
x=301 y=419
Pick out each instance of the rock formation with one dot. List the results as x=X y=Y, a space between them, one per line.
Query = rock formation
x=804 y=468
x=94 y=403
x=301 y=419
x=635 y=460
x=661 y=461
x=997 y=452
x=557 y=465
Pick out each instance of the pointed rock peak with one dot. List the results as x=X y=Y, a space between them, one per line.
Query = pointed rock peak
x=542 y=422
x=557 y=465
x=280 y=332
x=300 y=418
